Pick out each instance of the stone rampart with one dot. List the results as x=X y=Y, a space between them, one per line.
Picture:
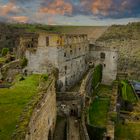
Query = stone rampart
x=37 y=121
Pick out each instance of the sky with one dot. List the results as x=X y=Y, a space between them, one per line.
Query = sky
x=70 y=12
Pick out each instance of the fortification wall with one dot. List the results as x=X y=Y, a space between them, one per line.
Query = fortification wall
x=108 y=60
x=38 y=119
x=43 y=119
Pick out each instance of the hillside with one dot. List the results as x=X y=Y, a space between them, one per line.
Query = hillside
x=92 y=31
x=126 y=38
x=9 y=32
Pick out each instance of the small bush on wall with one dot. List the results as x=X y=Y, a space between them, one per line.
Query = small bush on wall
x=4 y=51
x=24 y=62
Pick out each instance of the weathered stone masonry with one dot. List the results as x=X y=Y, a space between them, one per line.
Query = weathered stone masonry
x=43 y=119
x=67 y=52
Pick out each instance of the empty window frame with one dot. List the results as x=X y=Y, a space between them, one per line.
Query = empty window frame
x=71 y=52
x=65 y=69
x=102 y=55
x=65 y=54
x=47 y=41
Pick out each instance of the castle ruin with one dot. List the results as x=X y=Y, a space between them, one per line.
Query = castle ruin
x=71 y=54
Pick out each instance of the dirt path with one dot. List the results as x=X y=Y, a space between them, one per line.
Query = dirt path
x=60 y=130
x=73 y=129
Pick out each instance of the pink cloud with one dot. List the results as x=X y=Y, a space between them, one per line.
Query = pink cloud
x=8 y=8
x=57 y=7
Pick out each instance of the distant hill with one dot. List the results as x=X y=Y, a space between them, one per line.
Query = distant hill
x=10 y=32
x=92 y=31
x=126 y=38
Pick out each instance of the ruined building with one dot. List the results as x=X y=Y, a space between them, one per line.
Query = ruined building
x=69 y=53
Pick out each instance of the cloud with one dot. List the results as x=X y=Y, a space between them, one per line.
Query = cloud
x=100 y=7
x=8 y=9
x=50 y=11
x=57 y=7
x=22 y=19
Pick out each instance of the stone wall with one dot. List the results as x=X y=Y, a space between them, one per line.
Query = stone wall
x=108 y=60
x=10 y=70
x=38 y=61
x=112 y=117
x=43 y=119
x=68 y=53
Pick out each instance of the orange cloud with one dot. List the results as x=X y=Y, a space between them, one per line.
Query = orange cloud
x=57 y=7
x=22 y=19
x=101 y=7
x=8 y=8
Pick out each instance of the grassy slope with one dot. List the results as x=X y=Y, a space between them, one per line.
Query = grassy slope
x=12 y=103
x=126 y=38
x=100 y=106
x=130 y=131
x=98 y=112
x=127 y=93
x=121 y=32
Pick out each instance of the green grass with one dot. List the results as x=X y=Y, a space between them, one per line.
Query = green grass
x=130 y=131
x=97 y=76
x=98 y=112
x=2 y=59
x=12 y=103
x=127 y=92
x=103 y=91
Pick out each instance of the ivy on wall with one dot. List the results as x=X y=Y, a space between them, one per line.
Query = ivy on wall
x=97 y=75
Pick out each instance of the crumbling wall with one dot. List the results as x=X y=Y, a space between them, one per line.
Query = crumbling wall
x=125 y=38
x=10 y=70
x=38 y=61
x=43 y=119
x=108 y=60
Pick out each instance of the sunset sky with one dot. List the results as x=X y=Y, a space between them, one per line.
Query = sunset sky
x=70 y=12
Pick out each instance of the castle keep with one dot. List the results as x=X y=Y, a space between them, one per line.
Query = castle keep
x=69 y=53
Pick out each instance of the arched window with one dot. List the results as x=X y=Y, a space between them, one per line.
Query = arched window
x=102 y=55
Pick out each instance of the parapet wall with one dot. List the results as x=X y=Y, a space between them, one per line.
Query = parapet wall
x=85 y=91
x=37 y=122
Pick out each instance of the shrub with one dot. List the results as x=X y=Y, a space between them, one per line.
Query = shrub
x=45 y=77
x=24 y=62
x=4 y=51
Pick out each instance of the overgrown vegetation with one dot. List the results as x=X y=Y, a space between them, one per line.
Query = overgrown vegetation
x=4 y=51
x=98 y=112
x=12 y=103
x=102 y=91
x=130 y=131
x=127 y=92
x=96 y=133
x=23 y=62
x=2 y=60
x=97 y=76
x=121 y=32
x=44 y=77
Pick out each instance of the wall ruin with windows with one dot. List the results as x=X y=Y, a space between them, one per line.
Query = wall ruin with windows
x=108 y=58
x=66 y=52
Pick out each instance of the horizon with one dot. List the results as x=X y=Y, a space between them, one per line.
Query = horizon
x=70 y=12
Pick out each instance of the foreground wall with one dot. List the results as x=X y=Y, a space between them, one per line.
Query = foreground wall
x=43 y=119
